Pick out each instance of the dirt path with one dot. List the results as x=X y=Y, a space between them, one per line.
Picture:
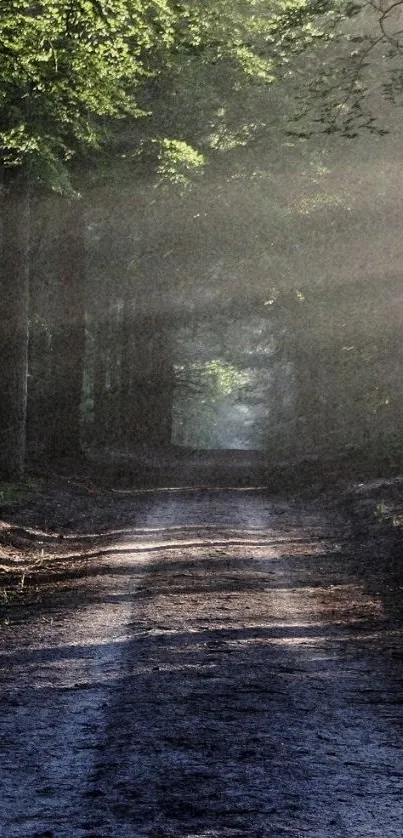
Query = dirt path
x=231 y=671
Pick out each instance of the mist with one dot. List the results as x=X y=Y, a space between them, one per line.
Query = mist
x=237 y=287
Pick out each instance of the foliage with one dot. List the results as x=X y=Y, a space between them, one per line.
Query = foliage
x=203 y=389
x=69 y=71
x=174 y=85
x=65 y=68
x=11 y=491
x=177 y=160
x=354 y=83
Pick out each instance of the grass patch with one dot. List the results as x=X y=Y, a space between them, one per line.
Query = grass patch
x=11 y=491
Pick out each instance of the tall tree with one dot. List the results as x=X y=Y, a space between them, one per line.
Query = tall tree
x=64 y=69
x=68 y=332
x=69 y=71
x=14 y=325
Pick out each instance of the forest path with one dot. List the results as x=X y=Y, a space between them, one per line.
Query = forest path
x=232 y=672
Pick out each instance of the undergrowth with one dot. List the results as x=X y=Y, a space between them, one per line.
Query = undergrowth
x=13 y=491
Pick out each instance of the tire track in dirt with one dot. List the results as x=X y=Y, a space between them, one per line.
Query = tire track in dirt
x=59 y=672
x=247 y=703
x=230 y=676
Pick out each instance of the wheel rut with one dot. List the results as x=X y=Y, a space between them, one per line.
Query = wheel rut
x=232 y=677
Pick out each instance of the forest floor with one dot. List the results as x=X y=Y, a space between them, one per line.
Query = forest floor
x=218 y=654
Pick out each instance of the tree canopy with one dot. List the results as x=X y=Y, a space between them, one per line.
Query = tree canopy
x=65 y=68
x=122 y=94
x=70 y=69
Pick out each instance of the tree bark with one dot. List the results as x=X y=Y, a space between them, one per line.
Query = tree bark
x=14 y=280
x=41 y=279
x=147 y=380
x=68 y=333
x=105 y=375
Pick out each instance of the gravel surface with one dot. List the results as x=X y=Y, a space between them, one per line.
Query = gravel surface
x=230 y=666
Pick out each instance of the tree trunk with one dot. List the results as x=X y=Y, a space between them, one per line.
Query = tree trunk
x=38 y=390
x=307 y=402
x=41 y=280
x=68 y=333
x=14 y=327
x=127 y=414
x=147 y=380
x=101 y=389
